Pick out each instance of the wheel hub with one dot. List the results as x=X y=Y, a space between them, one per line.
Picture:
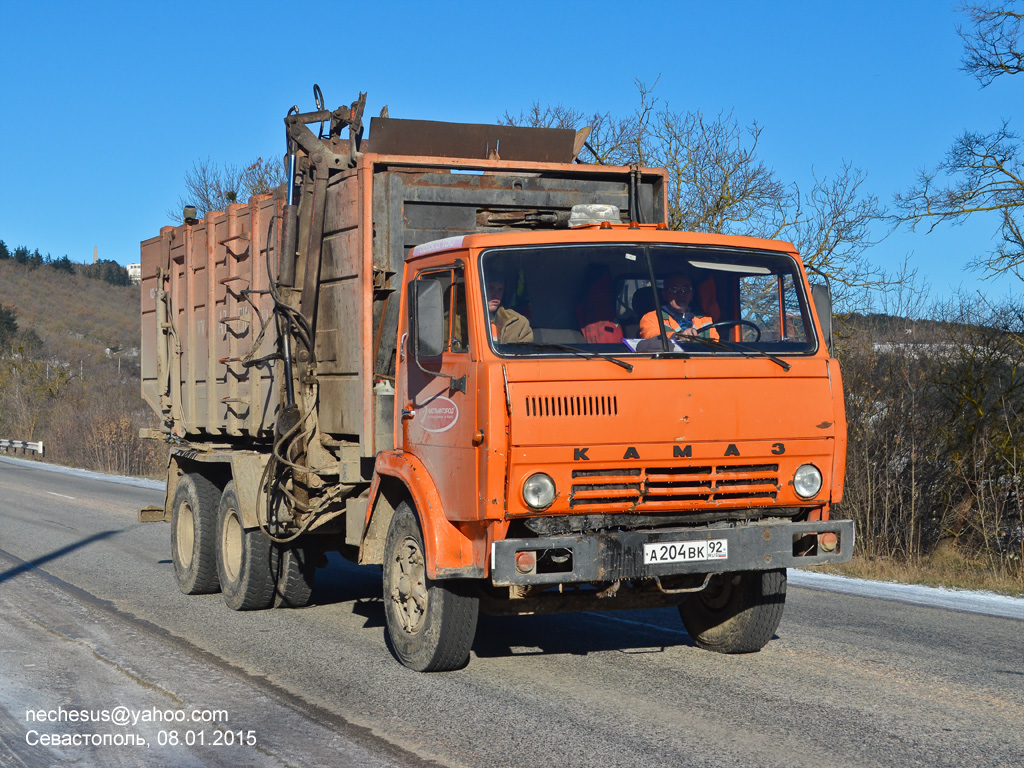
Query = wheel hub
x=718 y=593
x=185 y=535
x=409 y=591
x=232 y=545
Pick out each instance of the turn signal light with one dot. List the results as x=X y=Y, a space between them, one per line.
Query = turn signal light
x=828 y=542
x=526 y=562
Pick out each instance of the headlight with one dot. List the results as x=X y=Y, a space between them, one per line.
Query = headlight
x=807 y=481
x=539 y=491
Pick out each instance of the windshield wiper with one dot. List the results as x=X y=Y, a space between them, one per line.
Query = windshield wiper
x=575 y=351
x=743 y=349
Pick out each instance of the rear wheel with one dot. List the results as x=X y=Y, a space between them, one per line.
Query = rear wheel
x=294 y=571
x=243 y=558
x=431 y=624
x=194 y=535
x=736 y=612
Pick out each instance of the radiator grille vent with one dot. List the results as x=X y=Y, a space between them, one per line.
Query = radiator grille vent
x=572 y=405
x=672 y=487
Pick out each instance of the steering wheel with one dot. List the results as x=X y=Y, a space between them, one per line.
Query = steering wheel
x=727 y=323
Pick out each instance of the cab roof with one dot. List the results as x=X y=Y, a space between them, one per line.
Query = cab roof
x=597 y=233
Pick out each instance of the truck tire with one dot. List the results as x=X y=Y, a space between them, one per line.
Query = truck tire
x=194 y=535
x=294 y=571
x=243 y=558
x=737 y=612
x=430 y=624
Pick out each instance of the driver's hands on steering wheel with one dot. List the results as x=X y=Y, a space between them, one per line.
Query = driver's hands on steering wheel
x=685 y=332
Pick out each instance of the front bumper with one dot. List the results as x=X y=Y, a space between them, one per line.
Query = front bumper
x=619 y=555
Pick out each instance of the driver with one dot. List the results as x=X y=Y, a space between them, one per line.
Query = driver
x=507 y=325
x=680 y=320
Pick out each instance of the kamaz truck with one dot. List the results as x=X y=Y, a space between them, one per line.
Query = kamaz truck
x=456 y=352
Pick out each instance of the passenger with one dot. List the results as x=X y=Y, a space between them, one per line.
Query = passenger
x=596 y=312
x=507 y=325
x=680 y=320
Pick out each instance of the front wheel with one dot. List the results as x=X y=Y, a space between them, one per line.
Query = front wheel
x=736 y=612
x=431 y=624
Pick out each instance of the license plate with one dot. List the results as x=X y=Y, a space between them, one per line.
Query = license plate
x=686 y=551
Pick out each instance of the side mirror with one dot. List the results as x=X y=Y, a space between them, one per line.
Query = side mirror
x=426 y=318
x=426 y=326
x=823 y=305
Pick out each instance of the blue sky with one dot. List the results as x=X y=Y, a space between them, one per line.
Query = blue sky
x=105 y=105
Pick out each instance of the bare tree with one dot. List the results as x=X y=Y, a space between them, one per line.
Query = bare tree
x=994 y=44
x=982 y=172
x=719 y=183
x=833 y=228
x=211 y=187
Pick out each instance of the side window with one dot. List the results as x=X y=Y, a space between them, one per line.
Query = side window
x=460 y=318
x=793 y=327
x=771 y=302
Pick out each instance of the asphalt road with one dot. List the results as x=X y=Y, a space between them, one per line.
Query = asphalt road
x=91 y=620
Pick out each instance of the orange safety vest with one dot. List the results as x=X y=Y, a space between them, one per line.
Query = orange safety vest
x=649 y=328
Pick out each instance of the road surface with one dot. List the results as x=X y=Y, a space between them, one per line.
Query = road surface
x=93 y=627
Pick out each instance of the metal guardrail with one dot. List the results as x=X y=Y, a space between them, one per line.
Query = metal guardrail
x=24 y=445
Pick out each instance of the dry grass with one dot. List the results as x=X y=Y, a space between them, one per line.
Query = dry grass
x=954 y=572
x=72 y=314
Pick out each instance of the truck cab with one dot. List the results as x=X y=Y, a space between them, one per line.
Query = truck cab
x=572 y=454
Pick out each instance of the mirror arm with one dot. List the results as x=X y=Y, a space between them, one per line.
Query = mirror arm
x=454 y=384
x=829 y=342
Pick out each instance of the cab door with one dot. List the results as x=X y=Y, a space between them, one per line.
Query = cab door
x=438 y=416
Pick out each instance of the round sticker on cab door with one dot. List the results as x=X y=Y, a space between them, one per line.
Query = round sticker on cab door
x=439 y=415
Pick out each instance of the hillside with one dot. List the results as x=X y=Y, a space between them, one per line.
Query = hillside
x=75 y=316
x=70 y=375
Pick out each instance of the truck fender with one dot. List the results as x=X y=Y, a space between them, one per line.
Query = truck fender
x=174 y=473
x=244 y=467
x=451 y=552
x=247 y=471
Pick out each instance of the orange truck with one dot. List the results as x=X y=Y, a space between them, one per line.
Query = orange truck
x=425 y=352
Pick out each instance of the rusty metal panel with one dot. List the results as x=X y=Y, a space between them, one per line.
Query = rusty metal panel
x=215 y=275
x=150 y=261
x=210 y=388
x=341 y=311
x=342 y=256
x=388 y=264
x=341 y=397
x=265 y=235
x=467 y=140
x=338 y=347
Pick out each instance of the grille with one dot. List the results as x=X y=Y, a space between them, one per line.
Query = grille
x=672 y=487
x=572 y=405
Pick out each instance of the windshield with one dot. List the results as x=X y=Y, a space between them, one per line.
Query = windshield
x=600 y=299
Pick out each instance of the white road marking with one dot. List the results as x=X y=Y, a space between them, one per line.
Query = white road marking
x=61 y=495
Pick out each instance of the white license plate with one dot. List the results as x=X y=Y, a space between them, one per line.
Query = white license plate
x=686 y=551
